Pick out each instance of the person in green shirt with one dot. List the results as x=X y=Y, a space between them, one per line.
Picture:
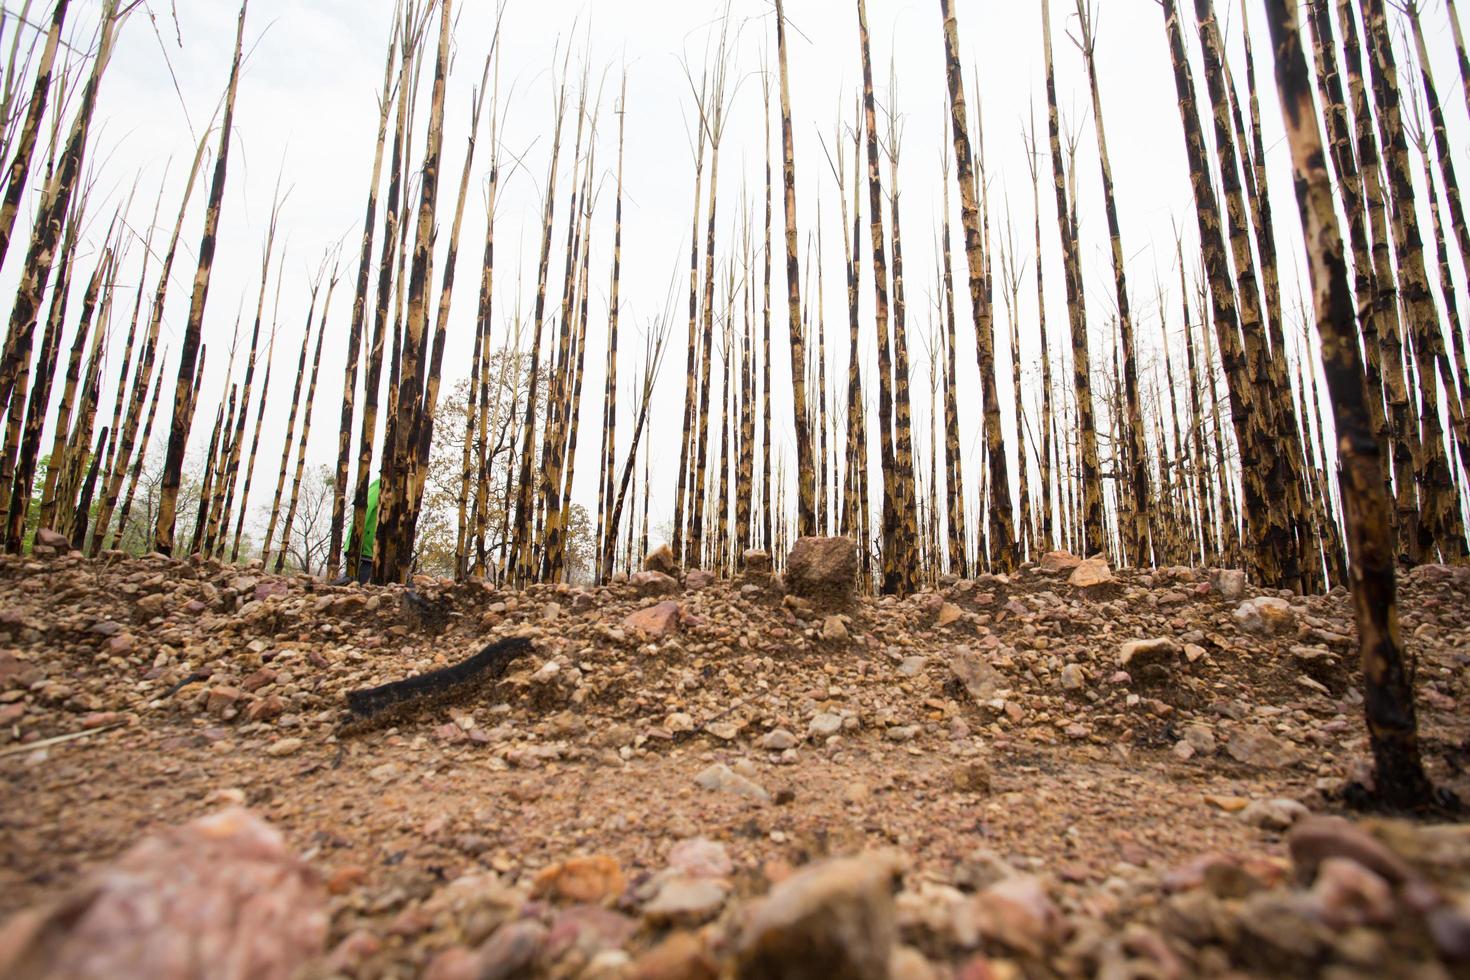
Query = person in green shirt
x=369 y=535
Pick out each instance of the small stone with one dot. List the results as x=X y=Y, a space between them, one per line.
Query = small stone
x=824 y=725
x=1255 y=746
x=1230 y=804
x=1089 y=573
x=1073 y=677
x=699 y=857
x=948 y=614
x=1138 y=653
x=901 y=733
x=682 y=956
x=833 y=919
x=979 y=678
x=1265 y=616
x=698 y=579
x=1016 y=912
x=283 y=747
x=971 y=777
x=720 y=777
x=834 y=629
x=1200 y=738
x=1348 y=894
x=1182 y=751
x=1314 y=840
x=778 y=740
x=265 y=709
x=679 y=722
x=509 y=951
x=686 y=902
x=655 y=622
x=588 y=880
x=1275 y=814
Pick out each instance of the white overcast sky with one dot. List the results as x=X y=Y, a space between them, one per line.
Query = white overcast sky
x=307 y=105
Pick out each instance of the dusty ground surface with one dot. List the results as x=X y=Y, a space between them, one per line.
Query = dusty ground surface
x=1048 y=800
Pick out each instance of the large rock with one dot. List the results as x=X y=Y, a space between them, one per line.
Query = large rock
x=652 y=583
x=1093 y=571
x=833 y=920
x=52 y=539
x=219 y=896
x=824 y=569
x=1265 y=616
x=1059 y=562
x=756 y=562
x=1229 y=582
x=661 y=559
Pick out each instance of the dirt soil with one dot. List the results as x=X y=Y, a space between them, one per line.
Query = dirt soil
x=1052 y=801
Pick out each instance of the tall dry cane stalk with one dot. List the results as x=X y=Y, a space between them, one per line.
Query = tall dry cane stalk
x=25 y=448
x=1091 y=486
x=359 y=299
x=183 y=414
x=1441 y=525
x=1136 y=531
x=393 y=548
x=413 y=20
x=1389 y=699
x=954 y=483
x=316 y=364
x=805 y=475
x=54 y=207
x=61 y=423
x=1002 y=549
x=520 y=555
x=295 y=409
x=898 y=568
x=25 y=145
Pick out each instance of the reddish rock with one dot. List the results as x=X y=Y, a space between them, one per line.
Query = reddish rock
x=756 y=562
x=265 y=709
x=651 y=583
x=1059 y=562
x=269 y=588
x=1314 y=840
x=682 y=956
x=1017 y=912
x=698 y=579
x=52 y=539
x=222 y=698
x=655 y=622
x=1089 y=573
x=588 y=930
x=823 y=569
x=180 y=905
x=588 y=880
x=836 y=918
x=661 y=559
x=261 y=678
x=121 y=644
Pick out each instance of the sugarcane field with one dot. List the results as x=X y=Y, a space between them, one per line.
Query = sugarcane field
x=441 y=536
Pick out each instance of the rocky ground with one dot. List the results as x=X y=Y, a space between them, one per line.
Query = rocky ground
x=1069 y=771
